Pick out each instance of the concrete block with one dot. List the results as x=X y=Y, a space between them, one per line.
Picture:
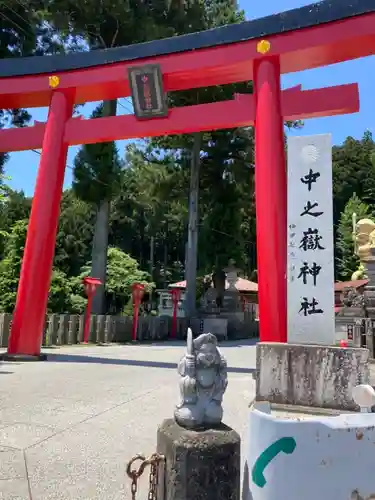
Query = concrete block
x=200 y=465
x=312 y=458
x=308 y=375
x=72 y=329
x=5 y=324
x=51 y=330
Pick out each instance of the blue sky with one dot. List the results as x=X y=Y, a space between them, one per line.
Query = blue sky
x=22 y=167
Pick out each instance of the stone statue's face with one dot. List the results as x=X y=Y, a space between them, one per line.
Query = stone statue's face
x=208 y=355
x=362 y=238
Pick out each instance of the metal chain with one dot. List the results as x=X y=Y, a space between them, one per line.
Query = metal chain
x=134 y=474
x=153 y=478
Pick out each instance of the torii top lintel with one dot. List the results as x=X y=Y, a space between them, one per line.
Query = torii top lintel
x=320 y=34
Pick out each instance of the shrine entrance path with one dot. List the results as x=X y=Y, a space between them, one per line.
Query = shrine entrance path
x=68 y=426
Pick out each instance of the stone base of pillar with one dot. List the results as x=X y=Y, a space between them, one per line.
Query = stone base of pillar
x=22 y=357
x=310 y=375
x=200 y=464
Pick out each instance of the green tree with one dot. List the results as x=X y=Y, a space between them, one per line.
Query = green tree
x=346 y=260
x=75 y=233
x=353 y=172
x=122 y=272
x=59 y=298
x=17 y=39
x=151 y=205
x=97 y=169
x=10 y=266
x=24 y=32
x=14 y=206
x=107 y=24
x=226 y=195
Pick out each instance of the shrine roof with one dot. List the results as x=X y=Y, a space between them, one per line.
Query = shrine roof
x=320 y=13
x=341 y=285
x=242 y=285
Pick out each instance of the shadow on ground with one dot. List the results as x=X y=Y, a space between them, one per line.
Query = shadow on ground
x=77 y=358
x=179 y=343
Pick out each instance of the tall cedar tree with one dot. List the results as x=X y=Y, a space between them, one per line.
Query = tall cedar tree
x=225 y=158
x=107 y=24
x=17 y=39
x=23 y=32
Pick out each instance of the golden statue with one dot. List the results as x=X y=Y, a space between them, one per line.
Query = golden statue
x=364 y=239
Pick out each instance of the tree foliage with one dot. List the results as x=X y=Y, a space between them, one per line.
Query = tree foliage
x=353 y=172
x=10 y=266
x=347 y=261
x=97 y=169
x=122 y=272
x=75 y=233
x=24 y=32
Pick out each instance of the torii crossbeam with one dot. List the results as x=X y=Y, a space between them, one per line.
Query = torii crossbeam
x=325 y=33
x=239 y=112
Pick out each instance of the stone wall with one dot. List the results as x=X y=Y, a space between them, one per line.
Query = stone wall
x=239 y=325
x=65 y=329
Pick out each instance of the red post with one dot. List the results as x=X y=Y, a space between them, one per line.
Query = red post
x=176 y=294
x=137 y=293
x=33 y=287
x=271 y=202
x=90 y=285
x=86 y=331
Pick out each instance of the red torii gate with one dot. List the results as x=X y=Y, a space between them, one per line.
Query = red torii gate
x=321 y=34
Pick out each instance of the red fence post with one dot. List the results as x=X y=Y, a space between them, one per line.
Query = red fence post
x=176 y=294
x=90 y=285
x=138 y=291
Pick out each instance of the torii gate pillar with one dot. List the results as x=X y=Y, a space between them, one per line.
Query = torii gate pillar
x=271 y=201
x=29 y=314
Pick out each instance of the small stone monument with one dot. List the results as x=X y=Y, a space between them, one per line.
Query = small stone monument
x=231 y=272
x=202 y=454
x=231 y=300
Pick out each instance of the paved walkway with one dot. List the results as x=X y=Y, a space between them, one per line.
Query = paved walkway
x=68 y=426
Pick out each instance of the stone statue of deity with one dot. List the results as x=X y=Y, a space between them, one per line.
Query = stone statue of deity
x=203 y=372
